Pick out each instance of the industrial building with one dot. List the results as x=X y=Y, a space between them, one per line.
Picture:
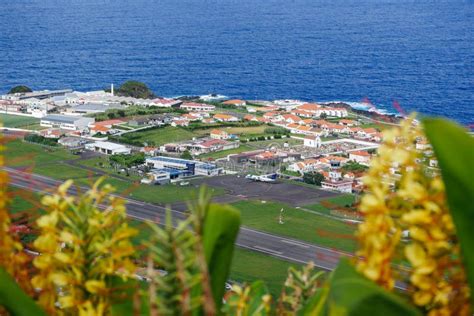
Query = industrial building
x=74 y=123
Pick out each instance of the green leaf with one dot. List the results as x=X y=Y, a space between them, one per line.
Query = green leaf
x=124 y=294
x=352 y=294
x=316 y=304
x=454 y=149
x=15 y=301
x=258 y=289
x=221 y=227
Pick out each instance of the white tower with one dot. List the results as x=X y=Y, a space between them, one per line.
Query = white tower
x=335 y=172
x=112 y=89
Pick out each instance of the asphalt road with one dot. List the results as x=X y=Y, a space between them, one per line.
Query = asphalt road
x=269 y=244
x=280 y=191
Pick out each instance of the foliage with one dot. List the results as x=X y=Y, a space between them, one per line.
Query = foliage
x=352 y=166
x=313 y=178
x=135 y=89
x=249 y=300
x=132 y=110
x=300 y=286
x=187 y=155
x=125 y=160
x=276 y=130
x=34 y=138
x=15 y=301
x=81 y=248
x=352 y=294
x=458 y=172
x=418 y=205
x=20 y=89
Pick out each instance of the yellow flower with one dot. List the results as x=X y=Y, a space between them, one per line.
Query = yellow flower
x=417 y=205
x=95 y=286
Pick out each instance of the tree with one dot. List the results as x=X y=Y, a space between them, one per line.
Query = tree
x=186 y=155
x=135 y=89
x=323 y=115
x=313 y=178
x=19 y=89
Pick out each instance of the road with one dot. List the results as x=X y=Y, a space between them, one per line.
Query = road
x=269 y=244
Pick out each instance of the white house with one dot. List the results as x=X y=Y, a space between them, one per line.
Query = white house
x=360 y=156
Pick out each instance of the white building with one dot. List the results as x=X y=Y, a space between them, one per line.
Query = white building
x=360 y=156
x=73 y=123
x=108 y=148
x=335 y=181
x=312 y=141
x=178 y=167
x=197 y=107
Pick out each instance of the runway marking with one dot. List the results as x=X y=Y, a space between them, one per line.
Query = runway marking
x=267 y=250
x=291 y=242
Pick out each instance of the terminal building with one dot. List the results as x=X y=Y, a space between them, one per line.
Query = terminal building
x=336 y=181
x=180 y=168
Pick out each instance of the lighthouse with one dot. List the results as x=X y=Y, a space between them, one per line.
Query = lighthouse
x=112 y=89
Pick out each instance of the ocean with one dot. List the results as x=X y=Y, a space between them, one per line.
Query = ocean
x=419 y=54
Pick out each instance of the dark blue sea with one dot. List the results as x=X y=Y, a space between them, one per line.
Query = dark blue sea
x=419 y=53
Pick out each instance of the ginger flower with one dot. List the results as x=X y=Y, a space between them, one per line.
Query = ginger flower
x=84 y=243
x=404 y=195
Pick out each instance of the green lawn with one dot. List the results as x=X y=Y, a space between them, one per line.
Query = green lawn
x=244 y=131
x=224 y=153
x=160 y=136
x=249 y=266
x=297 y=224
x=22 y=200
x=18 y=153
x=327 y=205
x=62 y=171
x=17 y=121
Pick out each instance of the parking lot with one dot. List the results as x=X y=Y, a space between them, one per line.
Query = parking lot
x=281 y=191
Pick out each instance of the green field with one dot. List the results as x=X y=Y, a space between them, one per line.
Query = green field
x=249 y=266
x=224 y=153
x=245 y=130
x=17 y=121
x=18 y=153
x=327 y=205
x=160 y=136
x=297 y=224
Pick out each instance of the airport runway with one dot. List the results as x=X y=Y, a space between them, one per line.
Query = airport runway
x=269 y=244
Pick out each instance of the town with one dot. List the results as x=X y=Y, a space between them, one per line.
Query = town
x=203 y=136
x=293 y=169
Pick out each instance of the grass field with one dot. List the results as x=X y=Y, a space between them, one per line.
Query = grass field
x=224 y=153
x=249 y=266
x=325 y=206
x=62 y=172
x=249 y=130
x=297 y=224
x=18 y=153
x=161 y=136
x=17 y=121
